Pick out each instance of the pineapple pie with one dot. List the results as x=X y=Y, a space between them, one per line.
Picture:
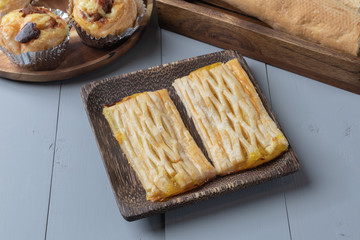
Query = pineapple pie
x=228 y=114
x=232 y=122
x=157 y=144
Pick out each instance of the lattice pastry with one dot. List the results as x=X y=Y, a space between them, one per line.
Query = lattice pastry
x=157 y=145
x=231 y=120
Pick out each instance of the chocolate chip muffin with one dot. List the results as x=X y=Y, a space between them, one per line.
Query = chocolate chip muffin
x=32 y=29
x=99 y=19
x=9 y=5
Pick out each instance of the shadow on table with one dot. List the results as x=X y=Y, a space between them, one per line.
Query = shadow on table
x=242 y=198
x=157 y=222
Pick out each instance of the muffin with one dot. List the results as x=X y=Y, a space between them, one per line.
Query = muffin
x=34 y=37
x=100 y=23
x=9 y=5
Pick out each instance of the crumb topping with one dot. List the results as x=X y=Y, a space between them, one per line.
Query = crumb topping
x=106 y=5
x=31 y=10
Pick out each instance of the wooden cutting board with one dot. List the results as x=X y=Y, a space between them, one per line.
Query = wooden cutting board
x=231 y=30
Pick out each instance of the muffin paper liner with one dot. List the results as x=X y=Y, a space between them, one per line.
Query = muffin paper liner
x=110 y=40
x=46 y=59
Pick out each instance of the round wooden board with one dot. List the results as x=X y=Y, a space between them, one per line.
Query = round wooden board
x=80 y=58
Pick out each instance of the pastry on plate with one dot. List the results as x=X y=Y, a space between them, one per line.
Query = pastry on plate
x=157 y=144
x=230 y=118
x=103 y=19
x=331 y=23
x=34 y=37
x=9 y=5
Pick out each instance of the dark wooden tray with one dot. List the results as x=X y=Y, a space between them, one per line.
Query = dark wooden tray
x=128 y=191
x=231 y=30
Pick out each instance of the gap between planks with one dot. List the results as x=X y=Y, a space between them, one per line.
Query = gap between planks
x=270 y=101
x=53 y=160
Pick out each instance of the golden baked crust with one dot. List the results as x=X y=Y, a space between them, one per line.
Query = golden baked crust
x=230 y=118
x=328 y=22
x=104 y=17
x=9 y=5
x=157 y=145
x=354 y=4
x=53 y=30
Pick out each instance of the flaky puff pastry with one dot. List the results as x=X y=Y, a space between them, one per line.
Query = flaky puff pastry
x=101 y=18
x=230 y=118
x=9 y=5
x=157 y=145
x=53 y=30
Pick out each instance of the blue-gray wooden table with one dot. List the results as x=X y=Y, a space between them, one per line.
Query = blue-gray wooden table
x=53 y=184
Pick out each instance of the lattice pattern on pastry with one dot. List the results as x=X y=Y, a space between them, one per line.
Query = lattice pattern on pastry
x=233 y=124
x=160 y=149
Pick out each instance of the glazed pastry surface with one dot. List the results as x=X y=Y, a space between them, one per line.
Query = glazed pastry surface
x=157 y=144
x=230 y=118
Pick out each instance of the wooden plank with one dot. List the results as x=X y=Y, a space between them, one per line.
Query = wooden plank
x=27 y=134
x=230 y=30
x=253 y=213
x=82 y=203
x=322 y=123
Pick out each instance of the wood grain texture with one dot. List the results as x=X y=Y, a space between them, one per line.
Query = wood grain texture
x=322 y=123
x=80 y=58
x=229 y=30
x=27 y=135
x=128 y=191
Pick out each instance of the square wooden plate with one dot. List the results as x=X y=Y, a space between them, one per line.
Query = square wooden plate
x=127 y=189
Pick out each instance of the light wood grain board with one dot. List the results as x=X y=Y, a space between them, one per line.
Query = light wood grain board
x=27 y=135
x=229 y=30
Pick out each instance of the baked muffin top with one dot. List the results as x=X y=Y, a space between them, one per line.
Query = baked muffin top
x=100 y=18
x=9 y=5
x=31 y=29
